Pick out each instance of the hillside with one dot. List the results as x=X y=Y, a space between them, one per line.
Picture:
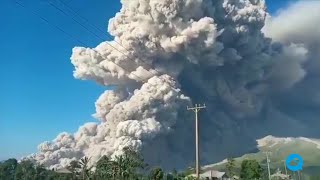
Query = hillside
x=280 y=148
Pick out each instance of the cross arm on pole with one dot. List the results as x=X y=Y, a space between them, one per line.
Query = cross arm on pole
x=197 y=107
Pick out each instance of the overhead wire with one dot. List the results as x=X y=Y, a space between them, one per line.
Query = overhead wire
x=86 y=20
x=68 y=34
x=55 y=26
x=76 y=13
x=101 y=31
x=82 y=43
x=75 y=20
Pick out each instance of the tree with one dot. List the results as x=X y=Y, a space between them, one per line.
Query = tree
x=8 y=168
x=104 y=168
x=175 y=175
x=230 y=167
x=132 y=161
x=317 y=177
x=74 y=168
x=25 y=170
x=80 y=169
x=28 y=170
x=51 y=175
x=156 y=174
x=85 y=169
x=40 y=172
x=125 y=166
x=250 y=169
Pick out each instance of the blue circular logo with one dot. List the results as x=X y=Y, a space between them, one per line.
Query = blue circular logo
x=298 y=161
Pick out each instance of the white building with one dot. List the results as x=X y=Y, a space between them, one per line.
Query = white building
x=279 y=176
x=213 y=175
x=63 y=171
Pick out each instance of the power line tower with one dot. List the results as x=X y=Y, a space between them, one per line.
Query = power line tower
x=268 y=162
x=196 y=109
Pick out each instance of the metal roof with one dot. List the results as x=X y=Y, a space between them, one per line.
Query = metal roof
x=211 y=173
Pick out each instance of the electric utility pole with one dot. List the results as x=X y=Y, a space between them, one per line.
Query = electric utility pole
x=196 y=109
x=285 y=167
x=268 y=161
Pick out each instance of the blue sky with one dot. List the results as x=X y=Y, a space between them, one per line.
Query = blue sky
x=39 y=97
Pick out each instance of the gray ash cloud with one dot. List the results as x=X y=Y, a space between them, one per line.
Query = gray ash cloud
x=256 y=73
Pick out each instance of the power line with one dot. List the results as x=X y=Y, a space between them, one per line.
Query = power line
x=75 y=20
x=85 y=19
x=82 y=17
x=84 y=44
x=48 y=22
x=102 y=38
x=60 y=29
x=196 y=109
x=93 y=25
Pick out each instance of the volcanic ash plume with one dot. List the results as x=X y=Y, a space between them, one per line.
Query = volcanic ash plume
x=169 y=54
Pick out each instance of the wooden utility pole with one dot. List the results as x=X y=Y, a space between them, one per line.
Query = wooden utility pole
x=196 y=109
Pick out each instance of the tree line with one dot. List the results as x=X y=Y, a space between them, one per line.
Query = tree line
x=128 y=166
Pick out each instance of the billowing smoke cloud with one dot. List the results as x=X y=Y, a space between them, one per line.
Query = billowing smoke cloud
x=177 y=52
x=300 y=25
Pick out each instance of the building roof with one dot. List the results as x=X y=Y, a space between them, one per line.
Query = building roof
x=211 y=173
x=63 y=171
x=236 y=177
x=282 y=176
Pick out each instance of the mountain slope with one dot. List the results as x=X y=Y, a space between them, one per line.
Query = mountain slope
x=280 y=149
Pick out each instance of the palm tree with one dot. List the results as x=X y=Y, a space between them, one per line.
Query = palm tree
x=135 y=162
x=122 y=167
x=81 y=168
x=156 y=174
x=74 y=168
x=84 y=167
x=125 y=166
x=104 y=168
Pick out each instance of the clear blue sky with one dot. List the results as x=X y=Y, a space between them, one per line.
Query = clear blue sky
x=39 y=97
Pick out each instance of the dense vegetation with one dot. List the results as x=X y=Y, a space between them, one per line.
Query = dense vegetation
x=251 y=169
x=129 y=166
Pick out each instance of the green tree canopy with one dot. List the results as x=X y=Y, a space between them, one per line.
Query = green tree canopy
x=251 y=169
x=156 y=174
x=230 y=167
x=125 y=166
x=8 y=168
x=316 y=177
